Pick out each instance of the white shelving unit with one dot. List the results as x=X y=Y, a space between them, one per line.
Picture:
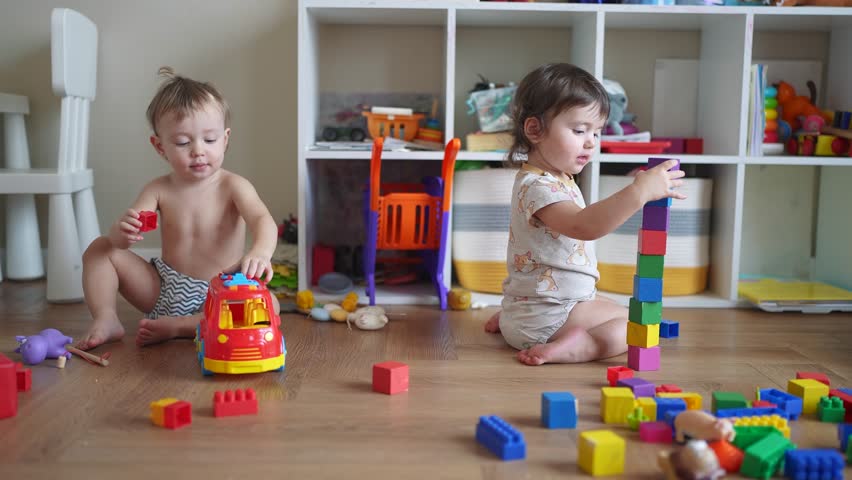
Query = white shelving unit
x=356 y=46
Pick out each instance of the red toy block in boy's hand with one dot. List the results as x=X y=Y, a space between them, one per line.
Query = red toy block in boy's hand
x=232 y=403
x=390 y=377
x=148 y=219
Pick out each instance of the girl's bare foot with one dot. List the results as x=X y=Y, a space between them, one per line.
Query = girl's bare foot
x=493 y=323
x=105 y=328
x=574 y=346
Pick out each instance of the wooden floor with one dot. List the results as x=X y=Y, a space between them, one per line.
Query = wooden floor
x=319 y=418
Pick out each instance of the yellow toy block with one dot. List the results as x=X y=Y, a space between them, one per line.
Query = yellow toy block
x=601 y=452
x=645 y=336
x=692 y=399
x=776 y=421
x=158 y=409
x=810 y=391
x=616 y=404
x=648 y=405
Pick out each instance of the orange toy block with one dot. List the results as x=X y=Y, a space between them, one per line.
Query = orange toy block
x=730 y=457
x=232 y=403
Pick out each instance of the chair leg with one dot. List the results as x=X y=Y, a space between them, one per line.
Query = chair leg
x=23 y=244
x=87 y=217
x=64 y=255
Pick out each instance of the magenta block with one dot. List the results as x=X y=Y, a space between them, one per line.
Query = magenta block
x=643 y=359
x=655 y=218
x=640 y=386
x=655 y=432
x=678 y=144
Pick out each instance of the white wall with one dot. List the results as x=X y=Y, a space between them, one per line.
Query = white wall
x=246 y=48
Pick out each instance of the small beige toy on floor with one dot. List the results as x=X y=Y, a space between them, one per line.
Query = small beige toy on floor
x=368 y=318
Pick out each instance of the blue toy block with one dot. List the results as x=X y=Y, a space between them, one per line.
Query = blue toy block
x=668 y=405
x=812 y=464
x=669 y=329
x=647 y=289
x=751 y=412
x=558 y=410
x=663 y=202
x=785 y=401
x=237 y=279
x=843 y=432
x=501 y=438
x=655 y=218
x=847 y=391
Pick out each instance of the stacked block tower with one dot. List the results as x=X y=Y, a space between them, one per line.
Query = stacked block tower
x=646 y=304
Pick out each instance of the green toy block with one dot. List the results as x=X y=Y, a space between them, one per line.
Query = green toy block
x=763 y=458
x=649 y=266
x=747 y=436
x=645 y=313
x=849 y=450
x=636 y=417
x=722 y=400
x=830 y=409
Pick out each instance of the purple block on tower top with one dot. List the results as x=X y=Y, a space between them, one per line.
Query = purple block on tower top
x=654 y=161
x=640 y=387
x=655 y=218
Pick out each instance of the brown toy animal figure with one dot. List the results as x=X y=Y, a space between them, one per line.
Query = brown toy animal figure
x=695 y=461
x=700 y=425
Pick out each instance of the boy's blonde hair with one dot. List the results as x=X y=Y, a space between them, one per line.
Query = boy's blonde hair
x=183 y=96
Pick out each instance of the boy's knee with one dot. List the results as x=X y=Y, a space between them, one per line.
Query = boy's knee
x=98 y=247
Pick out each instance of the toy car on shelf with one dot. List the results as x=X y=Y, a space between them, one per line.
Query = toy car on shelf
x=239 y=330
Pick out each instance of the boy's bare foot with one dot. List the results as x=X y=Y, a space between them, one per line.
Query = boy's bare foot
x=574 y=346
x=105 y=328
x=165 y=328
x=493 y=323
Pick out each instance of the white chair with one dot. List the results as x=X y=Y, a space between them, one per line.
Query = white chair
x=73 y=222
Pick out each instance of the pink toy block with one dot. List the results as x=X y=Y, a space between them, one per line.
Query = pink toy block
x=390 y=377
x=149 y=221
x=819 y=377
x=8 y=388
x=668 y=388
x=614 y=374
x=643 y=359
x=655 y=432
x=232 y=403
x=24 y=376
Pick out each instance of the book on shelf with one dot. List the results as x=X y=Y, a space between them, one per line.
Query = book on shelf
x=489 y=142
x=756 y=112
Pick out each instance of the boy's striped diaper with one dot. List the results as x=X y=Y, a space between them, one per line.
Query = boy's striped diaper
x=180 y=295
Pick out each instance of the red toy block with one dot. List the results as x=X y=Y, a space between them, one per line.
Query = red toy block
x=232 y=403
x=25 y=378
x=695 y=146
x=730 y=457
x=652 y=242
x=614 y=374
x=819 y=377
x=390 y=377
x=8 y=388
x=148 y=219
x=655 y=432
x=668 y=388
x=845 y=397
x=763 y=404
x=177 y=414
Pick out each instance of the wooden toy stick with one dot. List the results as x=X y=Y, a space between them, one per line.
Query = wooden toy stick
x=88 y=356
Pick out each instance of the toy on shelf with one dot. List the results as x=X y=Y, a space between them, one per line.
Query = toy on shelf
x=239 y=331
x=635 y=147
x=409 y=217
x=399 y=123
x=771 y=139
x=617 y=109
x=49 y=343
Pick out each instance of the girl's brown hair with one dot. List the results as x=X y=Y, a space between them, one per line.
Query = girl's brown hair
x=183 y=96
x=546 y=92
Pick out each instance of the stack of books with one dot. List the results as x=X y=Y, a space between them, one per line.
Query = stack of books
x=489 y=142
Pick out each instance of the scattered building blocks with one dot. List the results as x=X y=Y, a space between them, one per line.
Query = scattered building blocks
x=559 y=410
x=648 y=405
x=830 y=409
x=643 y=359
x=791 y=404
x=171 y=413
x=645 y=313
x=652 y=242
x=644 y=336
x=779 y=423
x=726 y=400
x=763 y=458
x=730 y=457
x=665 y=405
x=149 y=221
x=669 y=388
x=390 y=377
x=655 y=432
x=601 y=452
x=810 y=391
x=669 y=329
x=692 y=399
x=639 y=386
x=616 y=404
x=636 y=417
x=844 y=430
x=819 y=377
x=502 y=439
x=751 y=412
x=24 y=377
x=614 y=374
x=846 y=397
x=647 y=289
x=8 y=388
x=823 y=464
x=232 y=403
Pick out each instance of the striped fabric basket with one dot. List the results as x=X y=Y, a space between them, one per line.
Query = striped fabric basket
x=687 y=250
x=481 y=208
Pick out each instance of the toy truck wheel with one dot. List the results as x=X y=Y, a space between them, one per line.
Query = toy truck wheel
x=284 y=351
x=357 y=135
x=329 y=134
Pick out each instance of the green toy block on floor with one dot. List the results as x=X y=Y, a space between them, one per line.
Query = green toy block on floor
x=636 y=417
x=645 y=313
x=746 y=436
x=649 y=266
x=763 y=458
x=830 y=409
x=723 y=400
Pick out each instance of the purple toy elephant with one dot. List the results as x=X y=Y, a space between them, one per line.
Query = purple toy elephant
x=49 y=343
